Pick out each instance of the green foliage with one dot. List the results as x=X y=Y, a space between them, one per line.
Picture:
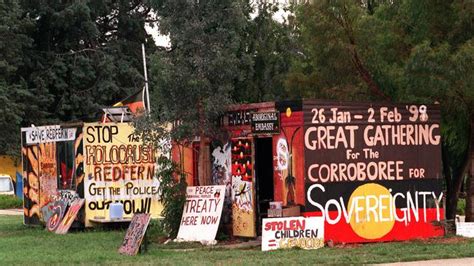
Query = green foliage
x=62 y=61
x=155 y=230
x=437 y=73
x=440 y=68
x=461 y=207
x=324 y=66
x=173 y=195
x=13 y=57
x=266 y=49
x=195 y=78
x=87 y=54
x=10 y=202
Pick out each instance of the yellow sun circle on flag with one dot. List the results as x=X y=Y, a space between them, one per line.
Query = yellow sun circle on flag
x=372 y=213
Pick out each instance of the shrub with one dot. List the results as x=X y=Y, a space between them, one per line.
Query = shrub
x=173 y=195
x=461 y=207
x=10 y=202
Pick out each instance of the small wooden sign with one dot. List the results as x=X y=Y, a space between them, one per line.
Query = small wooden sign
x=265 y=123
x=135 y=233
x=69 y=217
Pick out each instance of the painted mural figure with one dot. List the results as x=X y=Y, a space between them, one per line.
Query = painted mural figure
x=222 y=175
x=284 y=167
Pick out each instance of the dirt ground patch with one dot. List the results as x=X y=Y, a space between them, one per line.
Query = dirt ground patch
x=446 y=240
x=437 y=240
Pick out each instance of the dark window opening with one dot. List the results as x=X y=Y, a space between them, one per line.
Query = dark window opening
x=263 y=177
x=65 y=159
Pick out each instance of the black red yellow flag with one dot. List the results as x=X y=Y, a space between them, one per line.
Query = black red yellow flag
x=136 y=102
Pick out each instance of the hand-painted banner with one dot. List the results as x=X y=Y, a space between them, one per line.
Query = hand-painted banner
x=421 y=195
x=119 y=167
x=306 y=233
x=202 y=213
x=373 y=171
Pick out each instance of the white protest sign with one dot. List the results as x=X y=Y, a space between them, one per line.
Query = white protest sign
x=465 y=229
x=45 y=134
x=202 y=213
x=289 y=232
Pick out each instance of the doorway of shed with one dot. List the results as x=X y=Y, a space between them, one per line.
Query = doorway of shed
x=263 y=178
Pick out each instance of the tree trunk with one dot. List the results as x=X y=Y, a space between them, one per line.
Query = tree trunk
x=453 y=185
x=470 y=195
x=364 y=73
x=449 y=185
x=452 y=196
x=454 y=181
x=470 y=179
x=204 y=169
x=366 y=76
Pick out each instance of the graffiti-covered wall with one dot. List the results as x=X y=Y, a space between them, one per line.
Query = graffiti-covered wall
x=52 y=167
x=40 y=164
x=222 y=174
x=373 y=171
x=119 y=167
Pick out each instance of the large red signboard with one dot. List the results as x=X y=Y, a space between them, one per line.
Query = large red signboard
x=373 y=171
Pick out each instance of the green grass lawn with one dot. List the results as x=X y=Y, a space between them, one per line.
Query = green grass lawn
x=33 y=245
x=10 y=202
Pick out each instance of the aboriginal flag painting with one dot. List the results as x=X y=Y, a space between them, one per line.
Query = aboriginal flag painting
x=373 y=171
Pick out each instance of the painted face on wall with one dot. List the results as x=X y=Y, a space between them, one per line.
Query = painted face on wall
x=282 y=154
x=221 y=164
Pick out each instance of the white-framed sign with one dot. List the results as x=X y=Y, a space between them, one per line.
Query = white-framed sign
x=465 y=229
x=289 y=232
x=45 y=134
x=201 y=213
